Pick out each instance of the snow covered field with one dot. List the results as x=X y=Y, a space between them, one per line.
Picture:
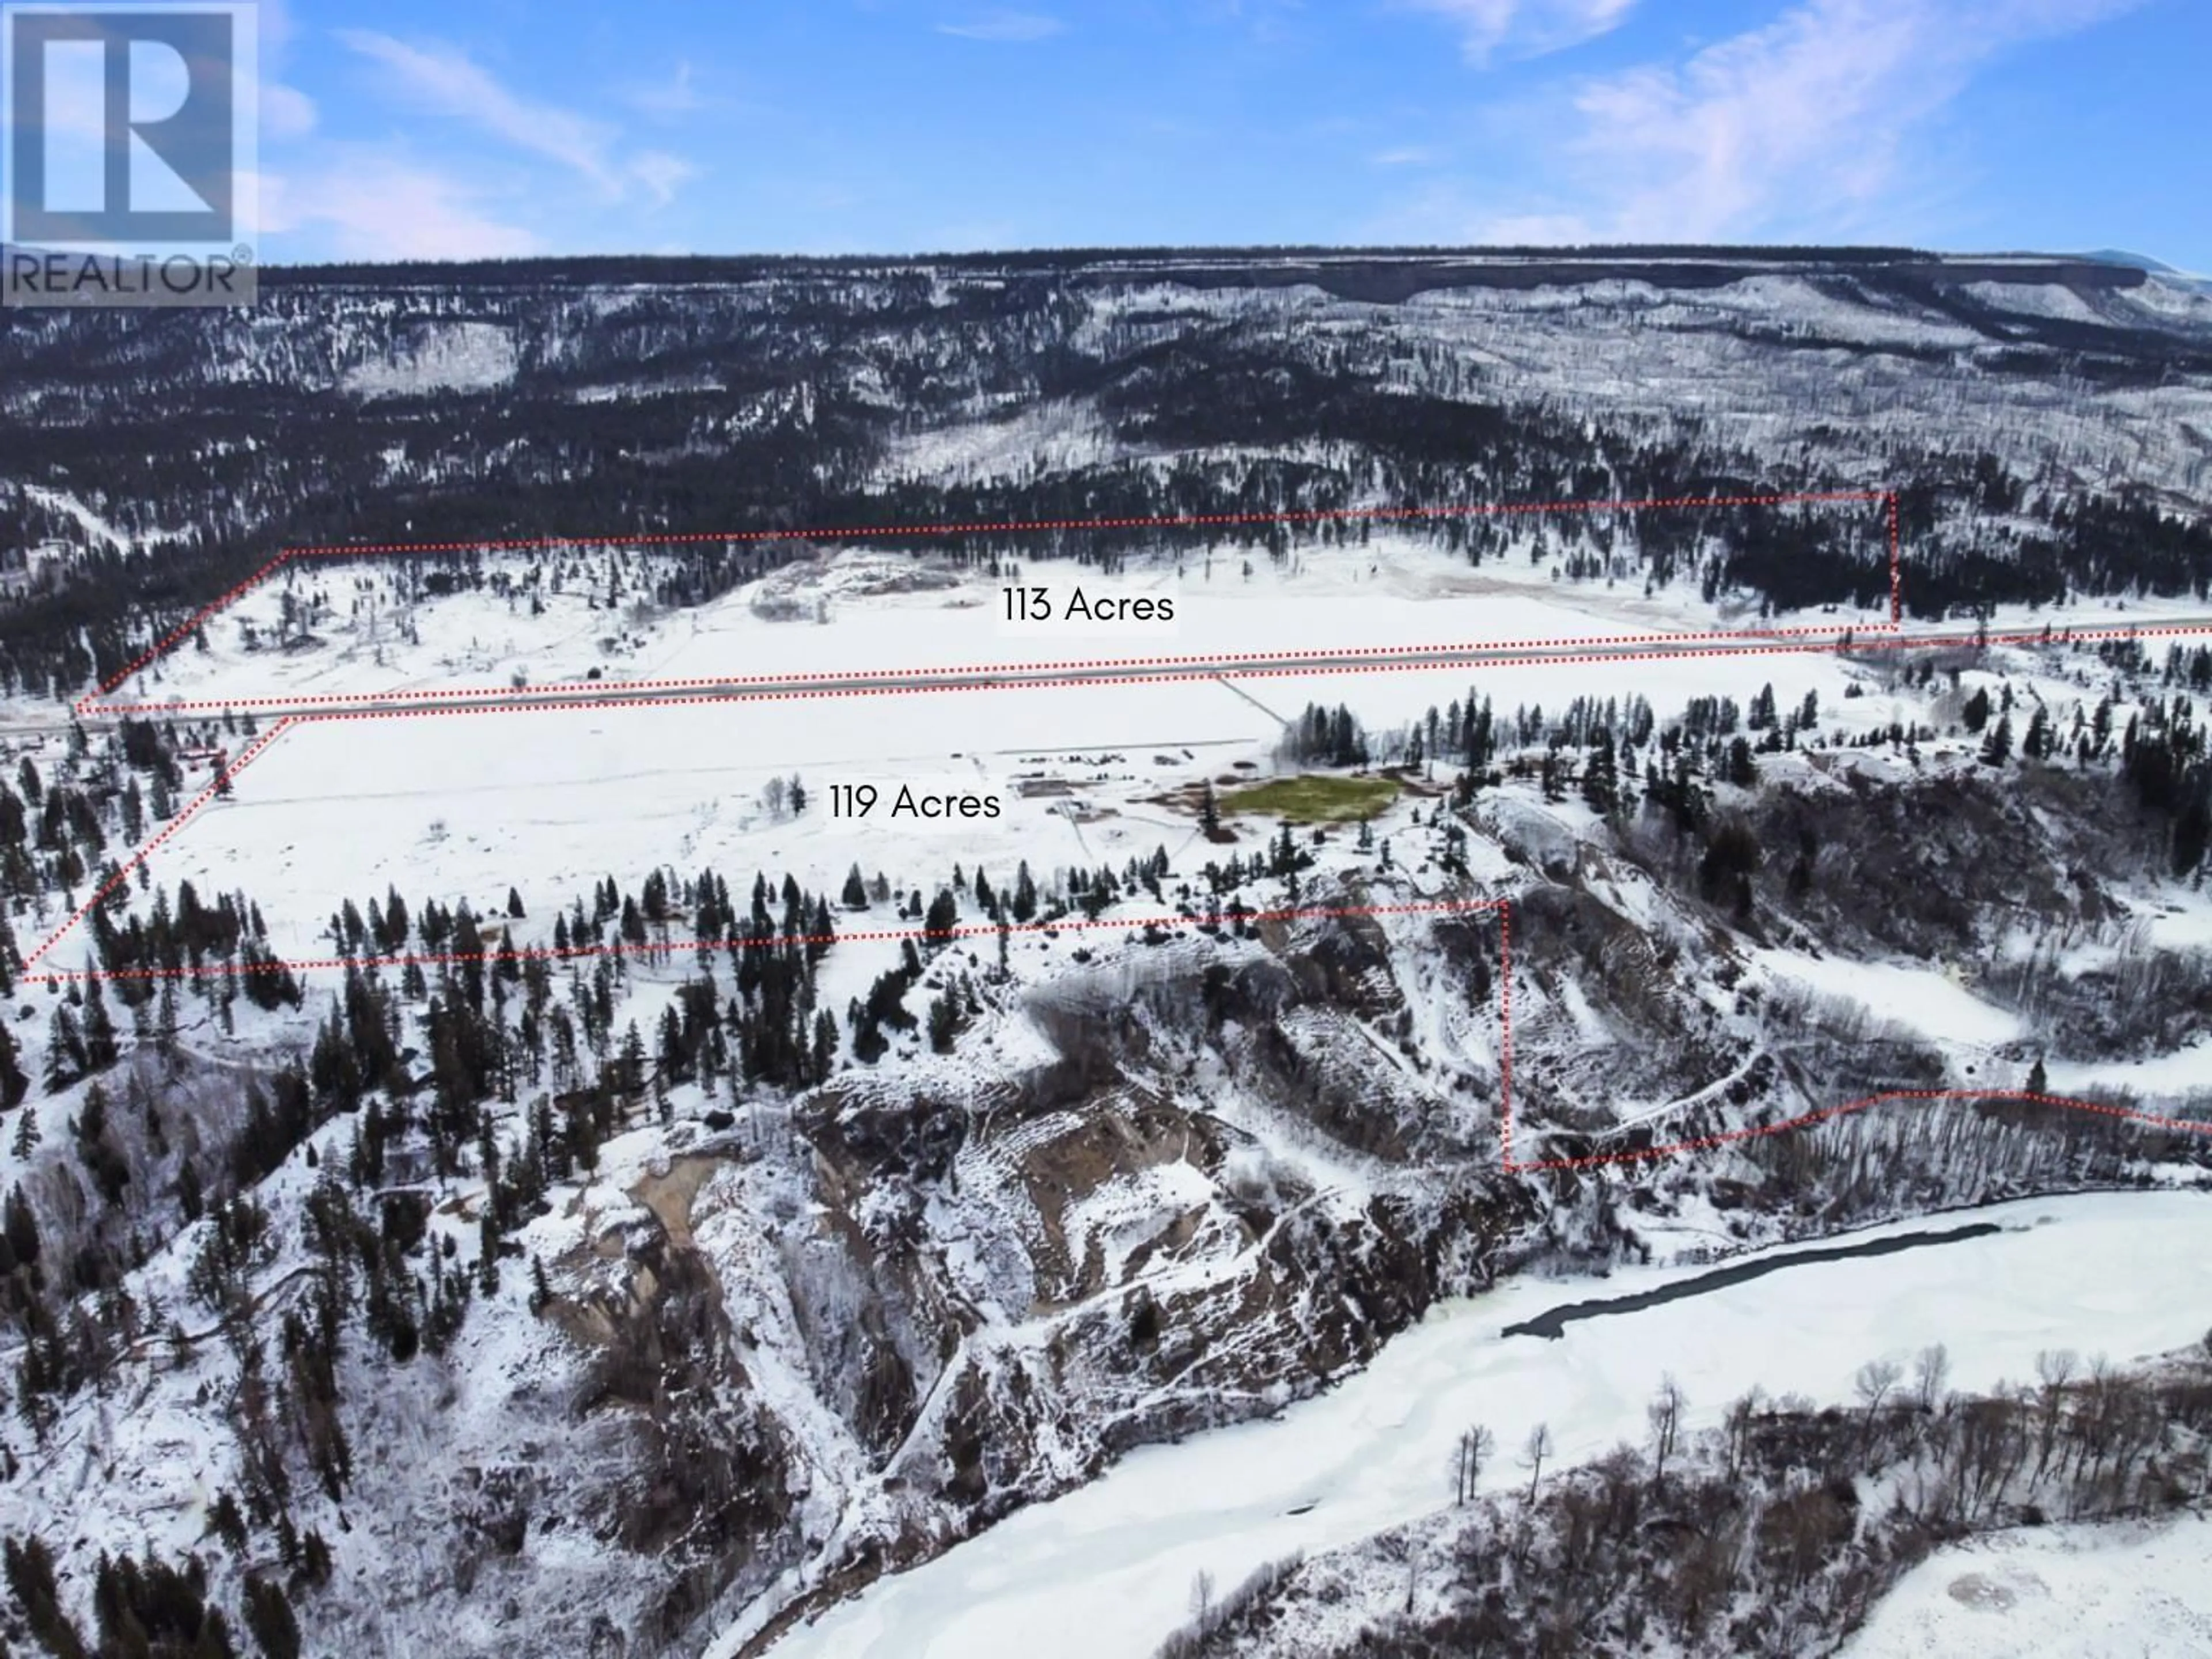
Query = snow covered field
x=2185 y=1071
x=863 y=612
x=554 y=801
x=1928 y=1000
x=551 y=801
x=1106 y=1570
x=2115 y=1591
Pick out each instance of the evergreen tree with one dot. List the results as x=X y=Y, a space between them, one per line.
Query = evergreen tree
x=944 y=916
x=632 y=1064
x=1550 y=775
x=20 y=1225
x=269 y=1616
x=30 y=1571
x=101 y=1049
x=65 y=1051
x=1996 y=747
x=1742 y=767
x=1601 y=776
x=191 y=1200
x=165 y=1022
x=13 y=1083
x=943 y=1023
x=488 y=1248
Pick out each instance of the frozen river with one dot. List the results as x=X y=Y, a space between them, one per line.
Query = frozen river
x=1105 y=1572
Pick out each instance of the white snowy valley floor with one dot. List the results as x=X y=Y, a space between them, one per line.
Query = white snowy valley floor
x=552 y=801
x=863 y=612
x=1105 y=1572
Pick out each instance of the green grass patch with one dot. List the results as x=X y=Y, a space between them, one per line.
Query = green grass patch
x=1313 y=799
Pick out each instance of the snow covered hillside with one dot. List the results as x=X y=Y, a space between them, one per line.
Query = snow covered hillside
x=878 y=1181
x=902 y=1168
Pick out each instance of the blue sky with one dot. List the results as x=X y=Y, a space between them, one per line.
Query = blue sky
x=420 y=129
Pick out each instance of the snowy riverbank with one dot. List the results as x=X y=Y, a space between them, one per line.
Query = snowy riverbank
x=1104 y=1573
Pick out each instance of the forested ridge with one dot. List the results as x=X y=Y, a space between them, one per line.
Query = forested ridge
x=173 y=454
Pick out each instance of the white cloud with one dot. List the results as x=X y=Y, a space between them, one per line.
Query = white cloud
x=1405 y=155
x=1018 y=27
x=664 y=101
x=1800 y=126
x=1528 y=29
x=446 y=83
x=274 y=29
x=286 y=111
x=367 y=205
x=662 y=175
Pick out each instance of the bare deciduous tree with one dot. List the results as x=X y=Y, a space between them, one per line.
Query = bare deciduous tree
x=1665 y=1412
x=1533 y=1450
x=1737 y=1422
x=1931 y=1372
x=2054 y=1368
x=1469 y=1456
x=1874 y=1381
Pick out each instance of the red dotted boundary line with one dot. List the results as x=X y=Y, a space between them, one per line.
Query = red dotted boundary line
x=584 y=691
x=674 y=946
x=1847 y=642
x=1507 y=1163
x=122 y=877
x=90 y=704
x=604 y=703
x=1505 y=1037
